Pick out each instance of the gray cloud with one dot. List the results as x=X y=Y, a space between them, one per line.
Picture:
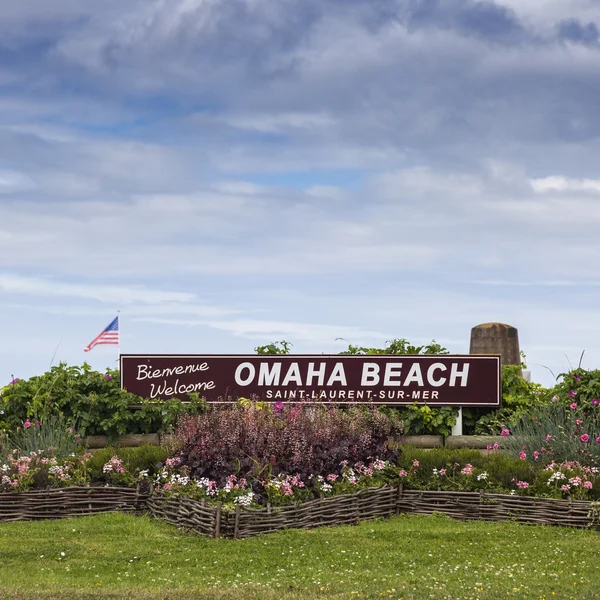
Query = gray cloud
x=377 y=164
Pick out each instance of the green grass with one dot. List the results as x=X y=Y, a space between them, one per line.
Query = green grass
x=412 y=557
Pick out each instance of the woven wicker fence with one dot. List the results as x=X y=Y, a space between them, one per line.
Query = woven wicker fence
x=212 y=520
x=68 y=502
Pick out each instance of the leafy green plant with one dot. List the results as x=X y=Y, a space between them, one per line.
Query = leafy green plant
x=423 y=420
x=398 y=346
x=282 y=347
x=92 y=399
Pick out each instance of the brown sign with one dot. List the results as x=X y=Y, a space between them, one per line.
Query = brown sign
x=436 y=380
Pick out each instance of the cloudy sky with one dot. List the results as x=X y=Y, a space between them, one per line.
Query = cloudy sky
x=232 y=172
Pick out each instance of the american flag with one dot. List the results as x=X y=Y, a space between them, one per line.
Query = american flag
x=110 y=335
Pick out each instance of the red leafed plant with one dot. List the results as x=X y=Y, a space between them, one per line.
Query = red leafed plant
x=304 y=438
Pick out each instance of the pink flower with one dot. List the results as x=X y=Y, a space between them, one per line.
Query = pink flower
x=402 y=473
x=565 y=487
x=576 y=377
x=536 y=455
x=522 y=484
x=522 y=455
x=587 y=485
x=278 y=406
x=598 y=440
x=108 y=377
x=585 y=438
x=573 y=405
x=572 y=394
x=595 y=402
x=548 y=437
x=415 y=463
x=578 y=422
x=554 y=398
x=467 y=470
x=442 y=472
x=331 y=477
x=505 y=433
x=27 y=424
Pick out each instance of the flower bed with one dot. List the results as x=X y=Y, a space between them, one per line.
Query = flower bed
x=242 y=522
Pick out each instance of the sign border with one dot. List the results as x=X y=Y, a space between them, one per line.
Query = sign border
x=498 y=358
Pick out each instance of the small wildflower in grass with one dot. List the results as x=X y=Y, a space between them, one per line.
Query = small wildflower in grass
x=522 y=485
x=572 y=394
x=573 y=405
x=505 y=433
x=522 y=455
x=595 y=402
x=587 y=485
x=27 y=424
x=585 y=438
x=415 y=463
x=402 y=473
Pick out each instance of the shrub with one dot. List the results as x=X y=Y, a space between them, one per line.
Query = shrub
x=92 y=399
x=259 y=440
x=144 y=458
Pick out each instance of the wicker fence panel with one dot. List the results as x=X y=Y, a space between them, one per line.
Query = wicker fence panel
x=185 y=512
x=369 y=504
x=68 y=502
x=498 y=507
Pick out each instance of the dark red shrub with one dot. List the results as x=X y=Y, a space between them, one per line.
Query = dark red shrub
x=307 y=438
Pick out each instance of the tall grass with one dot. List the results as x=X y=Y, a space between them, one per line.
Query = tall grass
x=557 y=432
x=55 y=436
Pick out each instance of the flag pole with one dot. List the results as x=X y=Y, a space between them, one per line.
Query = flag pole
x=119 y=344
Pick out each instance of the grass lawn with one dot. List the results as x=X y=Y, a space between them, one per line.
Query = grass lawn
x=123 y=556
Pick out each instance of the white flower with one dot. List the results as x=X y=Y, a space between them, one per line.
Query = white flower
x=5 y=479
x=5 y=468
x=555 y=477
x=245 y=500
x=481 y=476
x=143 y=473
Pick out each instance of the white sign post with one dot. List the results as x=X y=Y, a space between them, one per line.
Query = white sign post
x=457 y=428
